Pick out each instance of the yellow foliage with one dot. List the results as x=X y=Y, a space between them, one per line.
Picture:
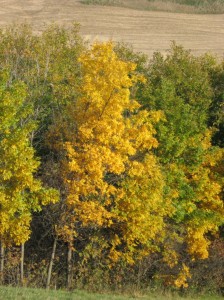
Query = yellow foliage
x=182 y=277
x=20 y=192
x=112 y=179
x=170 y=257
x=197 y=242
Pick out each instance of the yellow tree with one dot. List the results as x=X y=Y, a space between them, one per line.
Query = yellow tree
x=112 y=180
x=20 y=192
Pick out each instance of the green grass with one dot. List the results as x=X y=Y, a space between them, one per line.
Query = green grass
x=10 y=293
x=182 y=6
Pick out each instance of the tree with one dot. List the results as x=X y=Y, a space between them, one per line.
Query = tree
x=113 y=184
x=216 y=111
x=47 y=64
x=180 y=86
x=20 y=192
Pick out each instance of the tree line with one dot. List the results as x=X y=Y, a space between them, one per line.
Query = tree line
x=111 y=163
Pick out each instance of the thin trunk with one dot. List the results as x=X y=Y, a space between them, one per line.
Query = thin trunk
x=22 y=265
x=51 y=263
x=2 y=254
x=69 y=266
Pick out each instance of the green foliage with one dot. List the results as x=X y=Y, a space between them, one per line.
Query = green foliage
x=180 y=86
x=47 y=64
x=216 y=109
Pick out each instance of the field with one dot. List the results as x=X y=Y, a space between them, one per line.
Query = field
x=147 y=31
x=8 y=293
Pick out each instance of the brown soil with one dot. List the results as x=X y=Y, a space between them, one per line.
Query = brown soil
x=147 y=31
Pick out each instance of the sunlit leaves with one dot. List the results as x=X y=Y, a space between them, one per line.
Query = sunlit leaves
x=111 y=176
x=20 y=192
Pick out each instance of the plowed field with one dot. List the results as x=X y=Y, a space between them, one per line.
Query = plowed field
x=147 y=31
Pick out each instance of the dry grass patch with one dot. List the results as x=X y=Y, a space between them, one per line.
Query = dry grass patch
x=180 y=6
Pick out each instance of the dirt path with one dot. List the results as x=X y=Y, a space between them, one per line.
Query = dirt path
x=146 y=31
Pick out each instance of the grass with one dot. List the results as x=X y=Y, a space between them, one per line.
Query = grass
x=10 y=293
x=181 y=6
x=14 y=293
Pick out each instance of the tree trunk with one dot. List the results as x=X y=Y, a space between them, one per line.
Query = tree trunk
x=2 y=254
x=69 y=266
x=22 y=265
x=51 y=263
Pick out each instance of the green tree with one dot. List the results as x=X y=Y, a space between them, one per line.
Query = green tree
x=47 y=64
x=215 y=70
x=179 y=85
